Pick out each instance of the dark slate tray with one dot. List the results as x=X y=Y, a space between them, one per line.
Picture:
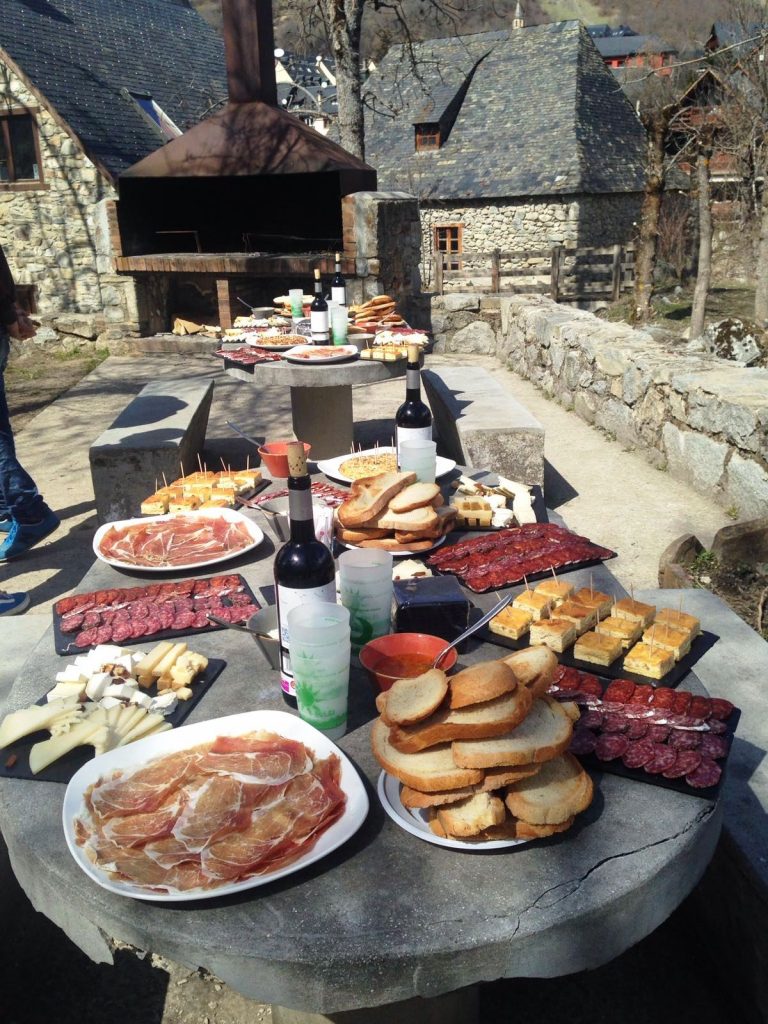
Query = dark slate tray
x=703 y=642
x=65 y=645
x=63 y=769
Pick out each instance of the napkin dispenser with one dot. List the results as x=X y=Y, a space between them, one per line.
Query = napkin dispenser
x=435 y=605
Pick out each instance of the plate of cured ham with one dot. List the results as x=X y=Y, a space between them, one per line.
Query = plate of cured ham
x=179 y=540
x=211 y=809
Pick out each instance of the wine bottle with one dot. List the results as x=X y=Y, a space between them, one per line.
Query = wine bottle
x=413 y=419
x=338 y=284
x=304 y=569
x=318 y=314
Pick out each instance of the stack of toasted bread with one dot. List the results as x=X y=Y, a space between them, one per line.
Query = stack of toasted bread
x=368 y=315
x=205 y=489
x=484 y=752
x=394 y=512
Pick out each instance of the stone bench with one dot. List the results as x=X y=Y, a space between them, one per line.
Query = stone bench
x=478 y=423
x=162 y=429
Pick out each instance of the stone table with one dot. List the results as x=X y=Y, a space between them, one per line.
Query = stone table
x=321 y=396
x=387 y=917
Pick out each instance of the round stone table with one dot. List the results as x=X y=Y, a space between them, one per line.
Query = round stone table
x=321 y=396
x=387 y=917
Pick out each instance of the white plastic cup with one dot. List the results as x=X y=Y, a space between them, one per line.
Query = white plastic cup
x=339 y=325
x=419 y=456
x=320 y=656
x=296 y=298
x=366 y=591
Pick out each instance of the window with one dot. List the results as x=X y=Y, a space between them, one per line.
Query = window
x=427 y=136
x=19 y=151
x=448 y=240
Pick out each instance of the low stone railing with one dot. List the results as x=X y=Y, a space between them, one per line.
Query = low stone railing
x=703 y=419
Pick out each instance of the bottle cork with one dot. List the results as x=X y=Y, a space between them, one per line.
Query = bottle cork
x=297 y=458
x=414 y=351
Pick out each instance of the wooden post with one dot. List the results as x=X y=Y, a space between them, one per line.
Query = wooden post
x=554 y=280
x=439 y=273
x=616 y=274
x=224 y=298
x=495 y=271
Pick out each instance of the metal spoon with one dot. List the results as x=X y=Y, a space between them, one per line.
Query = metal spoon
x=244 y=436
x=473 y=628
x=238 y=627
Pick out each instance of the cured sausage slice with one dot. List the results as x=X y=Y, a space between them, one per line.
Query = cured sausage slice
x=720 y=708
x=582 y=742
x=663 y=759
x=707 y=774
x=701 y=707
x=591 y=719
x=638 y=728
x=658 y=733
x=682 y=702
x=663 y=697
x=638 y=753
x=615 y=722
x=683 y=739
x=620 y=690
x=642 y=694
x=686 y=761
x=611 y=745
x=591 y=684
x=714 y=746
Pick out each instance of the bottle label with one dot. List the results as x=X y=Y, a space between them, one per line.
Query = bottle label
x=413 y=434
x=413 y=379
x=287 y=598
x=339 y=295
x=318 y=324
x=300 y=505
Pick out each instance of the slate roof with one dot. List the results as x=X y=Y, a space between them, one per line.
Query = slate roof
x=629 y=45
x=82 y=55
x=542 y=116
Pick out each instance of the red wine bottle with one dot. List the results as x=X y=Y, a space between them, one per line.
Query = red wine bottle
x=318 y=314
x=413 y=419
x=338 y=284
x=304 y=569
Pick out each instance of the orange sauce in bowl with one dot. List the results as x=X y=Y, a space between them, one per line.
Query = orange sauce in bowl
x=403 y=666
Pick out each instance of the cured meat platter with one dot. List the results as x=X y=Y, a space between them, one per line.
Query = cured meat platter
x=247 y=356
x=14 y=759
x=159 y=611
x=501 y=559
x=136 y=755
x=664 y=737
x=699 y=647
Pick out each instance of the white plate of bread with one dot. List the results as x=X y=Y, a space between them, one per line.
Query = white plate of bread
x=479 y=760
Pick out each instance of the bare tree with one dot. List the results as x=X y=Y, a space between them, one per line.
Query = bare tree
x=704 y=267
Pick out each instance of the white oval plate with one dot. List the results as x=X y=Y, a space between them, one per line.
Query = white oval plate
x=405 y=553
x=230 y=514
x=141 y=751
x=330 y=467
x=415 y=821
x=304 y=354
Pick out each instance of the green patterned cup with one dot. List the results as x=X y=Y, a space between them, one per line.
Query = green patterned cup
x=320 y=653
x=366 y=590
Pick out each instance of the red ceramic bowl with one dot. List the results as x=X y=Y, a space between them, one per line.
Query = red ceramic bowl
x=274 y=458
x=380 y=657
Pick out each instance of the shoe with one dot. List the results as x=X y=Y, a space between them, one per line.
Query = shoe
x=12 y=604
x=22 y=536
x=5 y=524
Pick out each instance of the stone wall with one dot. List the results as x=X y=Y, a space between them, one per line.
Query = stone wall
x=703 y=419
x=381 y=229
x=56 y=236
x=537 y=223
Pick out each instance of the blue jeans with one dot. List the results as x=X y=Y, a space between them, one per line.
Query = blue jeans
x=19 y=497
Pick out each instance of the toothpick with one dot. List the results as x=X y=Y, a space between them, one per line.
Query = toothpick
x=591 y=591
x=554 y=574
x=199 y=462
x=247 y=462
x=165 y=482
x=181 y=467
x=223 y=464
x=525 y=581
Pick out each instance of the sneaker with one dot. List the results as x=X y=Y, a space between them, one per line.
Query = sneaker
x=22 y=536
x=12 y=604
x=5 y=524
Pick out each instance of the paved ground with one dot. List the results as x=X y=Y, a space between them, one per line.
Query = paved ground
x=602 y=490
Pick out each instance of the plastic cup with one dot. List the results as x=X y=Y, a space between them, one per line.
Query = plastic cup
x=339 y=325
x=366 y=591
x=296 y=298
x=320 y=654
x=419 y=456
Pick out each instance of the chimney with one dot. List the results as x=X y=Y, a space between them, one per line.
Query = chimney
x=249 y=42
x=518 y=19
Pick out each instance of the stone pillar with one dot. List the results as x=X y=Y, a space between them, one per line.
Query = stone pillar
x=383 y=232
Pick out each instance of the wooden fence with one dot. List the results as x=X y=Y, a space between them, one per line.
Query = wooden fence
x=566 y=274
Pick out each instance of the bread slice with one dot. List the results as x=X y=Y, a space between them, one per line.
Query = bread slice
x=480 y=683
x=406 y=537
x=598 y=648
x=561 y=789
x=514 y=828
x=491 y=718
x=511 y=622
x=430 y=771
x=411 y=700
x=544 y=733
x=534 y=667
x=645 y=660
x=370 y=495
x=424 y=518
x=472 y=815
x=557 y=634
x=413 y=799
x=498 y=778
x=414 y=496
x=571 y=708
x=357 y=536
x=390 y=544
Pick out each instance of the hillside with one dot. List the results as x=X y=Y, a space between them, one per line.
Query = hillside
x=297 y=26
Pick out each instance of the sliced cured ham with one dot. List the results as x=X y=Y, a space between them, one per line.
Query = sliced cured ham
x=180 y=540
x=215 y=814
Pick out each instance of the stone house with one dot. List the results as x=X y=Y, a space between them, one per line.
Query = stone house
x=511 y=140
x=88 y=88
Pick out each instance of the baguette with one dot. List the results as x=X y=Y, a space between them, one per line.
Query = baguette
x=544 y=734
x=491 y=718
x=561 y=789
x=411 y=700
x=430 y=771
x=481 y=682
x=370 y=495
x=472 y=815
x=413 y=799
x=534 y=667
